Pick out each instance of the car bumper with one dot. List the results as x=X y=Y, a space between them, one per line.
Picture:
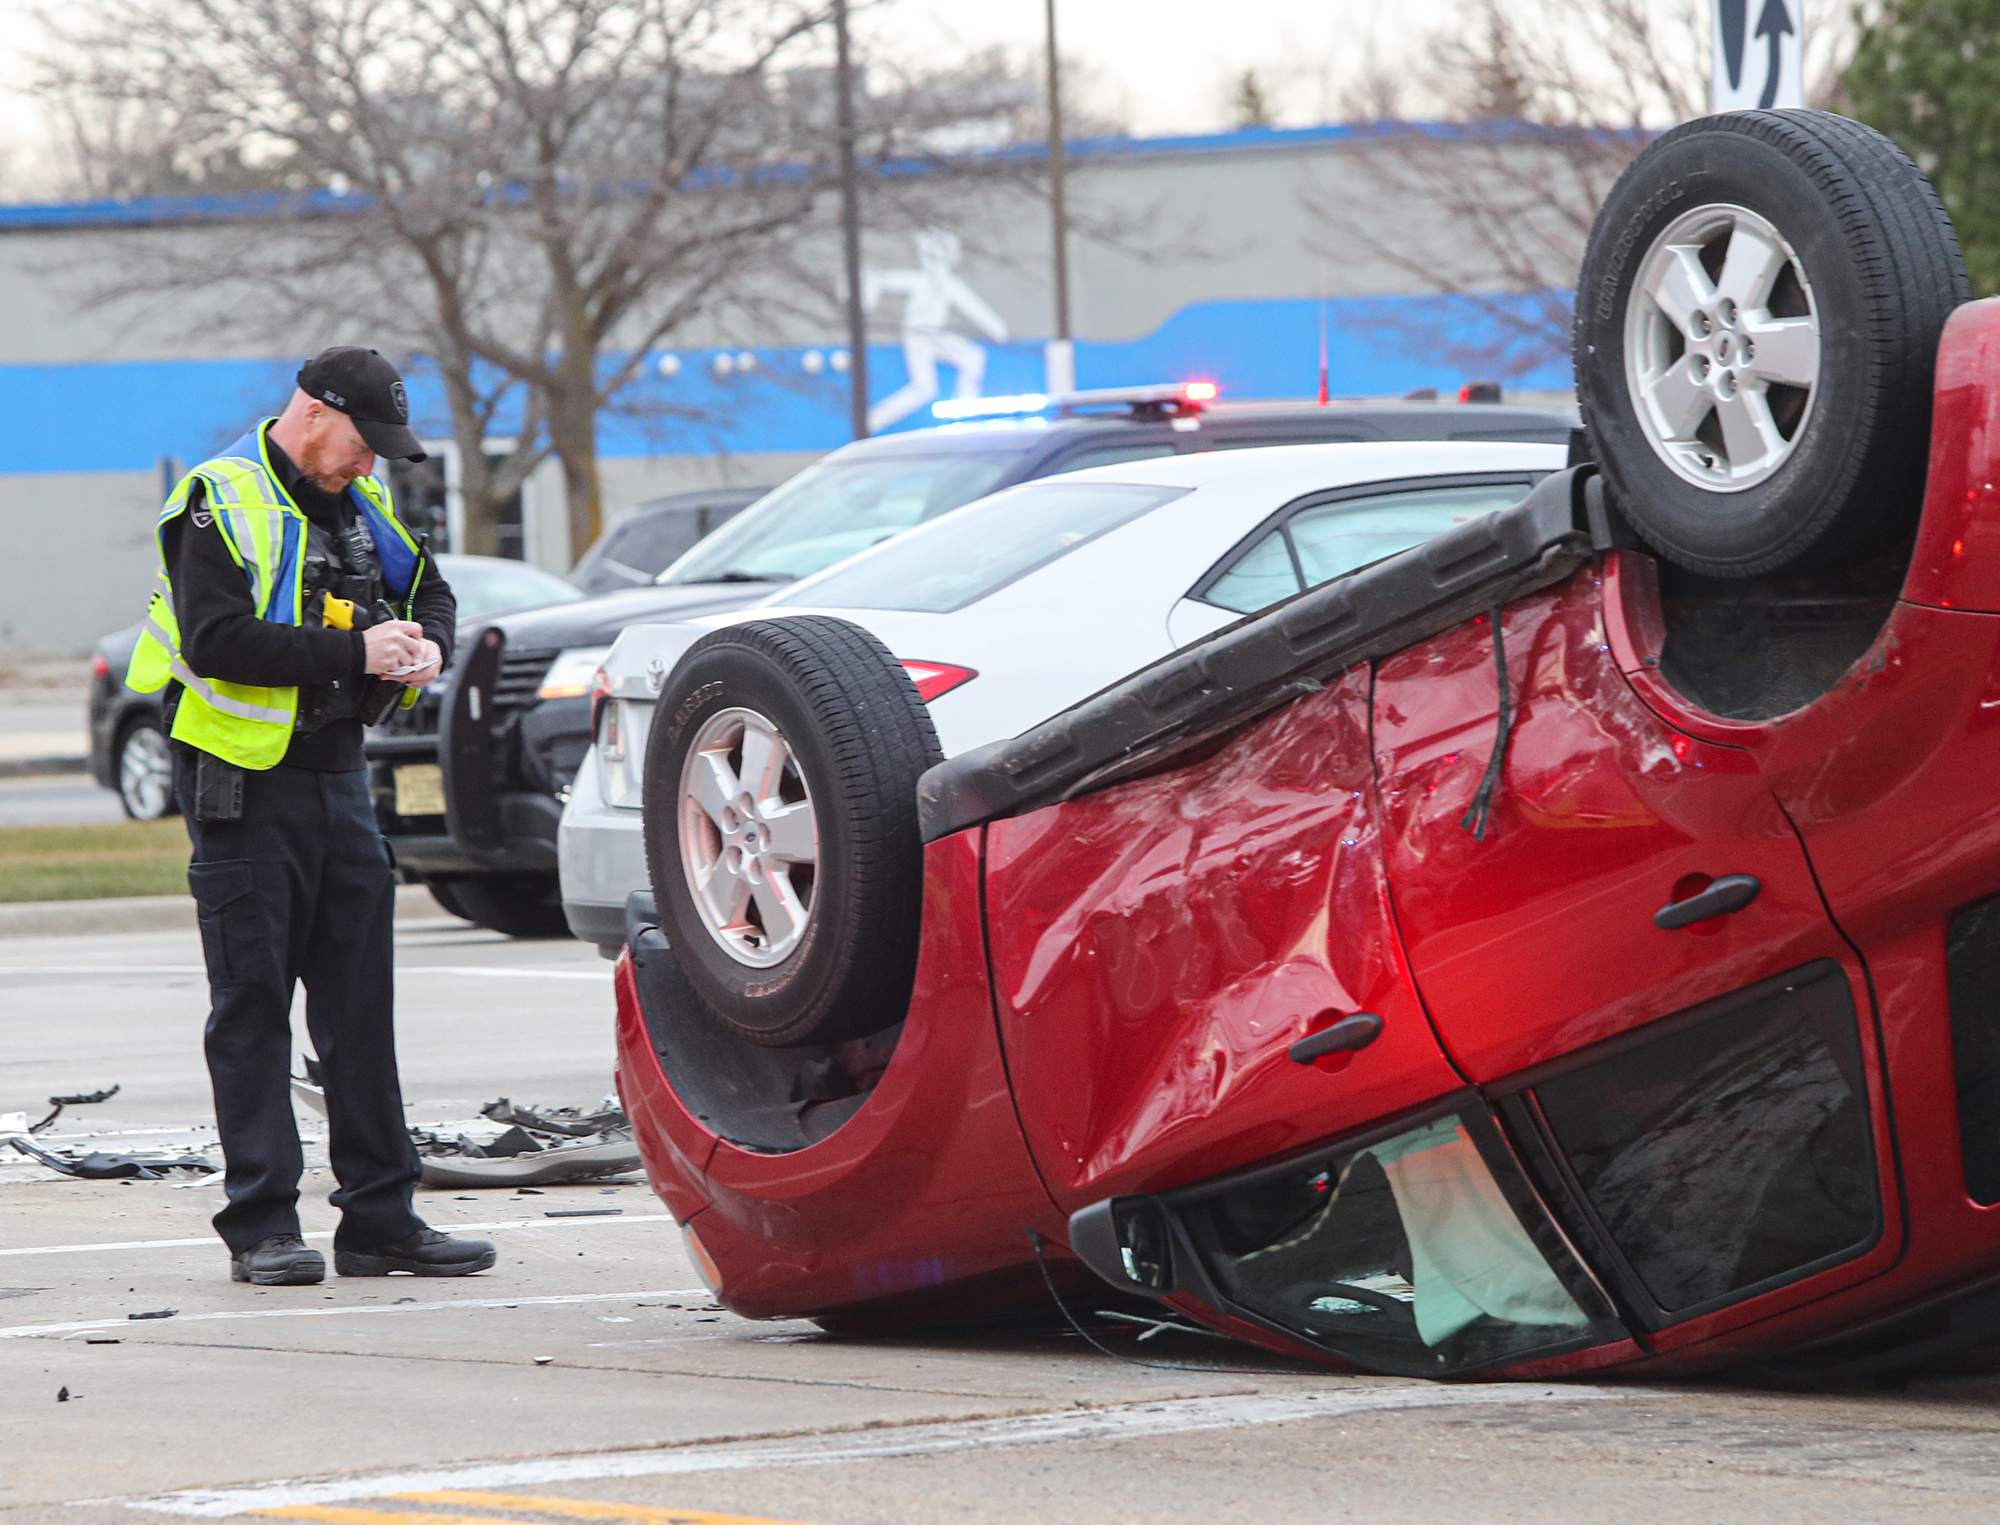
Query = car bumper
x=925 y=1187
x=601 y=858
x=424 y=846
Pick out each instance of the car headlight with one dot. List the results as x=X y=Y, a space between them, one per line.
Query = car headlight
x=570 y=673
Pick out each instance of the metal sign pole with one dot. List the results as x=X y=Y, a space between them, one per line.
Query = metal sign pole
x=1060 y=362
x=850 y=226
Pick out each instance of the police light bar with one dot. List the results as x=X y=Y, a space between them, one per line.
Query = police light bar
x=1167 y=397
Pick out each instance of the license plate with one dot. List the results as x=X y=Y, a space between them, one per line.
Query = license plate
x=420 y=789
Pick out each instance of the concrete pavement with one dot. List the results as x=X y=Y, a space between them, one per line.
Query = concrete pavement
x=589 y=1375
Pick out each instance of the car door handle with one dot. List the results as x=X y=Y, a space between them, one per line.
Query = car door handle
x=1732 y=892
x=1344 y=1037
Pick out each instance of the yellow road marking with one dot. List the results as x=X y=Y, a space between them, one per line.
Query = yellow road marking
x=576 y=1509
x=334 y=1514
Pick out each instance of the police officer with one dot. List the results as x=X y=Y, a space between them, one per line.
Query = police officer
x=293 y=606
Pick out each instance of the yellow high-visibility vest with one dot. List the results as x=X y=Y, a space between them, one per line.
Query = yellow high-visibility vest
x=265 y=531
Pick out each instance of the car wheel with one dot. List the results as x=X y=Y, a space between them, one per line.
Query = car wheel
x=781 y=827
x=1756 y=328
x=518 y=905
x=441 y=892
x=145 y=772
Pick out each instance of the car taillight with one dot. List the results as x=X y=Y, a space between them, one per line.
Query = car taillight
x=935 y=678
x=100 y=667
x=600 y=693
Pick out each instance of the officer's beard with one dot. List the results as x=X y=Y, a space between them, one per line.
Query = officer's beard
x=315 y=472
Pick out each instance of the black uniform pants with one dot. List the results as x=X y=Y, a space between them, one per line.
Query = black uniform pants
x=300 y=890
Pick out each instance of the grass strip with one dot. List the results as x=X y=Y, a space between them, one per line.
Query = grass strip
x=93 y=862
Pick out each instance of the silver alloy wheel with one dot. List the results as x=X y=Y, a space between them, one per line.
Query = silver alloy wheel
x=749 y=844
x=1722 y=348
x=145 y=774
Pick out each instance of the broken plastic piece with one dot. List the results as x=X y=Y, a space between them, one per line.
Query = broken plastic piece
x=113 y=1167
x=155 y=1313
x=564 y=1120
x=461 y=1163
x=512 y=1144
x=62 y=1395
x=583 y=1212
x=90 y=1099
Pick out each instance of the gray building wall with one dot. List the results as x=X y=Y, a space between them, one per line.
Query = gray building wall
x=1157 y=232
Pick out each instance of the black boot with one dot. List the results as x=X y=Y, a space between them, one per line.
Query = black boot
x=280 y=1261
x=424 y=1253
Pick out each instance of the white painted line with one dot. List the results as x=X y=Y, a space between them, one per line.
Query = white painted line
x=112 y=970
x=210 y=1239
x=602 y=976
x=33 y=1331
x=1126 y=1422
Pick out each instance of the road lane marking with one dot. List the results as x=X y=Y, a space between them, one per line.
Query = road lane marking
x=525 y=970
x=181 y=1244
x=1119 y=1422
x=602 y=976
x=576 y=1509
x=119 y=1321
x=582 y=1509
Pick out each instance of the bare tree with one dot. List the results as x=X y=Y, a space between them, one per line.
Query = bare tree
x=1541 y=105
x=1544 y=106
x=526 y=195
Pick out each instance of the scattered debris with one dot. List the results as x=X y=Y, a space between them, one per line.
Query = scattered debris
x=102 y=1339
x=113 y=1167
x=539 y=1148
x=89 y=1099
x=406 y=1299
x=554 y=1146
x=1154 y=1326
x=564 y=1120
x=155 y=1313
x=12 y=1123
x=62 y=1395
x=543 y=1360
x=583 y=1212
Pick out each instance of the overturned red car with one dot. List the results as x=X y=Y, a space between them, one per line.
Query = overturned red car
x=1573 y=943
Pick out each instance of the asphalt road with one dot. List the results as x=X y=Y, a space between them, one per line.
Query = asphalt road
x=56 y=799
x=588 y=1376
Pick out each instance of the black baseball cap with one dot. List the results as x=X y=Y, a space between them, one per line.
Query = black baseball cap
x=364 y=386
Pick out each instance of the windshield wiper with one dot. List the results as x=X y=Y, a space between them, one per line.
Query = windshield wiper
x=738 y=575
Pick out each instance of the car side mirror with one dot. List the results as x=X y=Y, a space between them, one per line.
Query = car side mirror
x=1127 y=1241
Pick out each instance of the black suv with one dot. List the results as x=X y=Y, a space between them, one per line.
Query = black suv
x=511 y=727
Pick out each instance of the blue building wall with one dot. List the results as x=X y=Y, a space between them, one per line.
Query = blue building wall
x=124 y=416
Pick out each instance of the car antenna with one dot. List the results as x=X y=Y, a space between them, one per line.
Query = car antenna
x=1479 y=814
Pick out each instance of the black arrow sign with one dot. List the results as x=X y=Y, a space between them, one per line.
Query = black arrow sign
x=1773 y=22
x=1732 y=14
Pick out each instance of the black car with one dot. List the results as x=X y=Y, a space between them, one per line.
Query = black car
x=129 y=754
x=649 y=539
x=510 y=730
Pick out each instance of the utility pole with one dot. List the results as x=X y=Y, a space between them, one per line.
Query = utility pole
x=850 y=224
x=1059 y=364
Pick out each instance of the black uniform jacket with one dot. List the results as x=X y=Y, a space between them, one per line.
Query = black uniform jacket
x=222 y=637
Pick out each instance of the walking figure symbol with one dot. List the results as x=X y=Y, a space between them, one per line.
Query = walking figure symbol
x=931 y=294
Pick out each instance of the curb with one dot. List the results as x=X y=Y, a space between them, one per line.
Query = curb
x=154 y=913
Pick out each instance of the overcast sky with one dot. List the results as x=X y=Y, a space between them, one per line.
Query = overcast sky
x=1163 y=65
x=1167 y=65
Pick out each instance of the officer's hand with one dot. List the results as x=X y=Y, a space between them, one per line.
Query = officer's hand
x=395 y=643
x=431 y=671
